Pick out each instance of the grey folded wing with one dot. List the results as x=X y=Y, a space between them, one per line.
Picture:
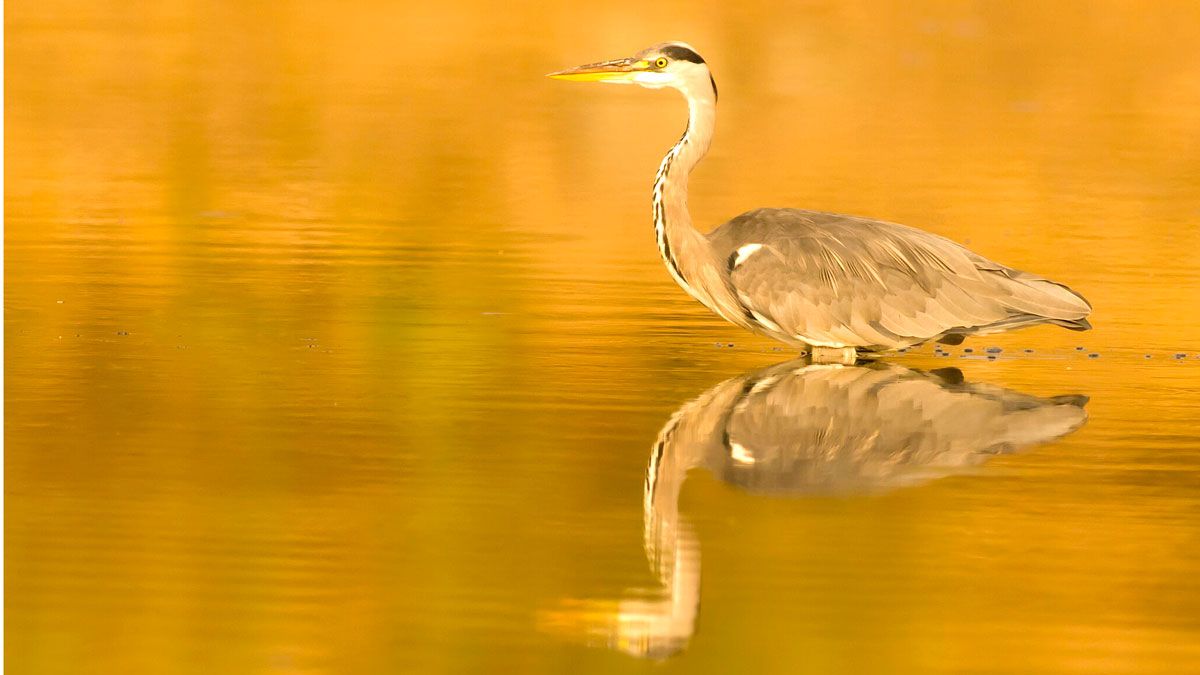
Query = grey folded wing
x=828 y=279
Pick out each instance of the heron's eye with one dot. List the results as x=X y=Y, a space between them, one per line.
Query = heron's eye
x=660 y=62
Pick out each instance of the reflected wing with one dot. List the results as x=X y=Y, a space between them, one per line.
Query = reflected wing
x=829 y=279
x=846 y=429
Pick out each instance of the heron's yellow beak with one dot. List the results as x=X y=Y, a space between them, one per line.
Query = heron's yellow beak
x=618 y=70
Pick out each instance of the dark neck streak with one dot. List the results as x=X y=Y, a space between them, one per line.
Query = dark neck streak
x=678 y=242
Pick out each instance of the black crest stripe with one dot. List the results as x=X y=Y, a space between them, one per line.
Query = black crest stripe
x=681 y=53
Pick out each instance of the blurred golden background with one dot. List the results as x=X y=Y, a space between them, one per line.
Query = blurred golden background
x=337 y=339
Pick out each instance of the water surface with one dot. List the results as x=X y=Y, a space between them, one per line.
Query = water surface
x=337 y=341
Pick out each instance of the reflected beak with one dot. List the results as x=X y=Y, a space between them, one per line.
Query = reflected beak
x=617 y=70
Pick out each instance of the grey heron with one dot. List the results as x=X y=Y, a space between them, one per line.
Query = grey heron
x=819 y=281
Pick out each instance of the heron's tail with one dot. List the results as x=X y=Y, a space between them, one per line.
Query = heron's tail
x=1073 y=324
x=1030 y=300
x=1037 y=297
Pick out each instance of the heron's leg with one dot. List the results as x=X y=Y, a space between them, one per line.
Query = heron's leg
x=844 y=355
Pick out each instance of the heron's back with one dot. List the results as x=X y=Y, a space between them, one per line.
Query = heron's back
x=826 y=278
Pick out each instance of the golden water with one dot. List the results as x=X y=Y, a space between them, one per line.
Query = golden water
x=337 y=341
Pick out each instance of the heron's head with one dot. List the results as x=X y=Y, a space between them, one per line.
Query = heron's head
x=671 y=64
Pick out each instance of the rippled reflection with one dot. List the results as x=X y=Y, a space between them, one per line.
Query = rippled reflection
x=799 y=428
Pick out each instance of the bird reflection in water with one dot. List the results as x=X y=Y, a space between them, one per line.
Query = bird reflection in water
x=799 y=428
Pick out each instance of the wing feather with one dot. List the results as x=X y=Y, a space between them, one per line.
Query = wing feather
x=827 y=278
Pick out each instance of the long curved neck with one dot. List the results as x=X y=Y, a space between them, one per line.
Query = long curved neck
x=680 y=245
